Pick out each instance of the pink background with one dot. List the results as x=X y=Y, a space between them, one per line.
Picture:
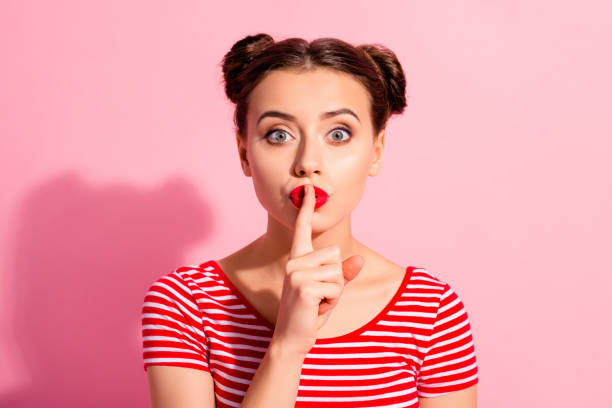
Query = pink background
x=119 y=164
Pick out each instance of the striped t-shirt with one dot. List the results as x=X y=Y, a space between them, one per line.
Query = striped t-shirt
x=419 y=345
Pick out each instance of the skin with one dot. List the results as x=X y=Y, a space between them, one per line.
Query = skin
x=306 y=153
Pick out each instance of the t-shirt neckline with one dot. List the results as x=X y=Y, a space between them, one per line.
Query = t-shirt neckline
x=325 y=340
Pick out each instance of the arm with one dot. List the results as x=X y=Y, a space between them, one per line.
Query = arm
x=449 y=372
x=275 y=383
x=172 y=387
x=175 y=350
x=465 y=398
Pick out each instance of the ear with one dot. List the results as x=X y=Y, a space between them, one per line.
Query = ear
x=379 y=144
x=242 y=154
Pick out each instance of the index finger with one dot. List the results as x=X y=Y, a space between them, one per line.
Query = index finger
x=302 y=234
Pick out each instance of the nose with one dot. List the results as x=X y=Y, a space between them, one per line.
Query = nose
x=308 y=158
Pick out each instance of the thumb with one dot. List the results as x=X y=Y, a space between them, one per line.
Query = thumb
x=351 y=267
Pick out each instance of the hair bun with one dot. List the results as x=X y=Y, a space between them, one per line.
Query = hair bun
x=391 y=73
x=236 y=60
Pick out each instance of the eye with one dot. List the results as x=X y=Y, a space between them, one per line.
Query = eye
x=342 y=141
x=272 y=131
x=334 y=132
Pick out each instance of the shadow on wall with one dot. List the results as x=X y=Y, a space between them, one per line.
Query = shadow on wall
x=85 y=257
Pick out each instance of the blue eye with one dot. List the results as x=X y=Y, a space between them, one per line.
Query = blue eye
x=282 y=131
x=271 y=132
x=343 y=140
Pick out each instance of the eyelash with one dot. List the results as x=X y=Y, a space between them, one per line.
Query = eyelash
x=269 y=132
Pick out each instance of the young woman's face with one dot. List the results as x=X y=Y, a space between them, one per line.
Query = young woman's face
x=335 y=153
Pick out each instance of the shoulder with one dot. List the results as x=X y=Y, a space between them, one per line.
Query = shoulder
x=186 y=279
x=427 y=284
x=422 y=278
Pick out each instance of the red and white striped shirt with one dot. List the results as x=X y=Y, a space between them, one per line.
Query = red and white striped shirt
x=419 y=345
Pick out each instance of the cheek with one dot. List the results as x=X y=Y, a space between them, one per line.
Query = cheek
x=267 y=170
x=268 y=177
x=351 y=170
x=349 y=180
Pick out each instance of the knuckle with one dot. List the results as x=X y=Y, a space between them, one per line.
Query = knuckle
x=293 y=279
x=305 y=292
x=339 y=274
x=340 y=282
x=337 y=268
x=334 y=251
x=291 y=266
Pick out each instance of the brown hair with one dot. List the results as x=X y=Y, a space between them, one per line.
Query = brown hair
x=374 y=65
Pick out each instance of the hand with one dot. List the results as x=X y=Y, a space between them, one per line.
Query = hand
x=313 y=283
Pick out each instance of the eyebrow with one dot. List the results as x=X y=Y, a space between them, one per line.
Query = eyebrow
x=324 y=115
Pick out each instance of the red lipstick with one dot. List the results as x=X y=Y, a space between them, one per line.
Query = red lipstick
x=297 y=196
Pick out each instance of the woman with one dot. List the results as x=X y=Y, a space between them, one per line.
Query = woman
x=306 y=315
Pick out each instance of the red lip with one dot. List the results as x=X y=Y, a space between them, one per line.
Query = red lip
x=297 y=196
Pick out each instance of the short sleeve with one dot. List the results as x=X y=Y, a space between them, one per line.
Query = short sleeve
x=450 y=360
x=172 y=328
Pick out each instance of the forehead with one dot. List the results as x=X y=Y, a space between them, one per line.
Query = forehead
x=305 y=94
